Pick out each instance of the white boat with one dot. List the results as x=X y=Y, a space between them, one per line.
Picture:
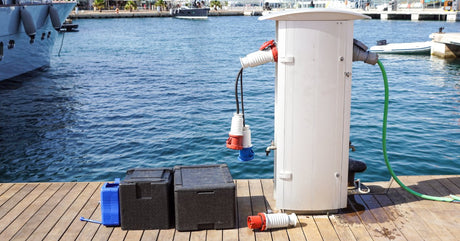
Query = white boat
x=27 y=34
x=196 y=11
x=402 y=48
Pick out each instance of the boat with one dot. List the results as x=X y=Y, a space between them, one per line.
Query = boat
x=383 y=47
x=69 y=26
x=196 y=11
x=28 y=31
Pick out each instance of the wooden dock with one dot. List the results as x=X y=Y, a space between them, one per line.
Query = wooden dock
x=52 y=211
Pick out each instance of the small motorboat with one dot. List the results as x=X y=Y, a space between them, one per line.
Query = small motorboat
x=383 y=47
x=68 y=26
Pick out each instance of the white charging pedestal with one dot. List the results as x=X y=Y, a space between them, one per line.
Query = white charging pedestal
x=312 y=108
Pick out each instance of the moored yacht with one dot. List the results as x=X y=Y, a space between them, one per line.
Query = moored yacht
x=196 y=11
x=28 y=31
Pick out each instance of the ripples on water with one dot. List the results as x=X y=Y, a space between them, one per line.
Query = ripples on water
x=158 y=92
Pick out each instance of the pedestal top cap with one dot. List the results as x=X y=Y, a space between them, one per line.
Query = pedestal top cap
x=314 y=14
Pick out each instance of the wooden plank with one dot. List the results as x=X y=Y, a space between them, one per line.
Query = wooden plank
x=150 y=235
x=296 y=233
x=418 y=208
x=349 y=217
x=442 y=212
x=401 y=205
x=258 y=206
x=270 y=203
x=4 y=187
x=232 y=234
x=13 y=196
x=401 y=222
x=198 y=235
x=134 y=235
x=116 y=235
x=215 y=235
x=374 y=229
x=279 y=234
x=71 y=214
x=342 y=230
x=453 y=189
x=389 y=229
x=90 y=229
x=309 y=228
x=325 y=227
x=181 y=236
x=448 y=213
x=166 y=234
x=267 y=185
x=87 y=211
x=6 y=220
x=244 y=210
x=103 y=233
x=31 y=218
x=455 y=180
x=53 y=217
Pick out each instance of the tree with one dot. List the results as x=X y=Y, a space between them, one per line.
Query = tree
x=216 y=4
x=99 y=4
x=160 y=3
x=130 y=5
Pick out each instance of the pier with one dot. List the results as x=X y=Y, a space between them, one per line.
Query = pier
x=414 y=15
x=446 y=45
x=405 y=14
x=85 y=14
x=52 y=211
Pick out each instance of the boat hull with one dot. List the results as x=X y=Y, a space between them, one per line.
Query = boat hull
x=19 y=54
x=403 y=48
x=191 y=13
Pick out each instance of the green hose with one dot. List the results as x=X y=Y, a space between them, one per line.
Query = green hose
x=452 y=198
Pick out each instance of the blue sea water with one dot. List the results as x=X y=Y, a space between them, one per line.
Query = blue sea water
x=158 y=92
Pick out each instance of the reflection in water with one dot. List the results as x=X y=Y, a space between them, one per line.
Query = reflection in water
x=35 y=125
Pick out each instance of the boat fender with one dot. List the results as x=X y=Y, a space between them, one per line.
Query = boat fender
x=28 y=23
x=54 y=15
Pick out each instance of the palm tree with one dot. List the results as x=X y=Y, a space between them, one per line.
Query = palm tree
x=99 y=4
x=216 y=4
x=130 y=5
x=160 y=3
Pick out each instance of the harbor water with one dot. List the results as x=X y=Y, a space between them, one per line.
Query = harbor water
x=159 y=92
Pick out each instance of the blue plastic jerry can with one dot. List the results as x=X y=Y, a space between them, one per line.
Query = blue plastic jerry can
x=110 y=206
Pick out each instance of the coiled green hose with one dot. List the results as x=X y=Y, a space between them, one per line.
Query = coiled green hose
x=452 y=198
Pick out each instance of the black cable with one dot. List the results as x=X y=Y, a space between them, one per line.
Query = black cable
x=236 y=91
x=241 y=90
x=239 y=77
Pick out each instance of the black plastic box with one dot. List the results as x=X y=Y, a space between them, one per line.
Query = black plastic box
x=146 y=199
x=204 y=197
